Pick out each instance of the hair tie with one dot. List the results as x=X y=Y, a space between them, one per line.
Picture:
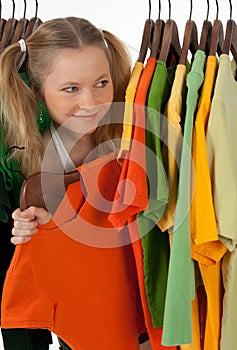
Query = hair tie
x=22 y=45
x=105 y=42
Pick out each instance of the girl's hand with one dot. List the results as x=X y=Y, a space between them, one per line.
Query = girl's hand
x=26 y=222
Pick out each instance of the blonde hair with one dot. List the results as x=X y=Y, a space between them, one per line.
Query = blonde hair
x=19 y=101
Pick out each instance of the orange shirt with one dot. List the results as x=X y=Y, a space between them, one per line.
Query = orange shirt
x=77 y=276
x=133 y=190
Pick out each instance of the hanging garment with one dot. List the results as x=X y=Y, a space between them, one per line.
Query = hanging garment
x=6 y=247
x=195 y=345
x=18 y=339
x=155 y=243
x=173 y=142
x=10 y=183
x=203 y=221
x=207 y=249
x=99 y=290
x=160 y=258
x=171 y=154
x=128 y=110
x=158 y=96
x=134 y=171
x=155 y=334
x=30 y=339
x=12 y=180
x=180 y=287
x=221 y=150
x=144 y=82
x=229 y=318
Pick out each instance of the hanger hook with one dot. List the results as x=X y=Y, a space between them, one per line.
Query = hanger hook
x=169 y=9
x=13 y=9
x=24 y=14
x=5 y=160
x=230 y=9
x=208 y=8
x=217 y=9
x=36 y=7
x=159 y=9
x=191 y=9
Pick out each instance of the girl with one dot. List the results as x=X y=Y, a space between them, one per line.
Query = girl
x=86 y=294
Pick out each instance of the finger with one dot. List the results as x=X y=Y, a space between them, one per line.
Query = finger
x=20 y=240
x=31 y=214
x=41 y=215
x=22 y=215
x=25 y=225
x=22 y=233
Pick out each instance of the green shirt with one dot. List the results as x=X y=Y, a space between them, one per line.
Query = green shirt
x=181 y=283
x=155 y=243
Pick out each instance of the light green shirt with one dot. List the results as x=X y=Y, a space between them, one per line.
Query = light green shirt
x=221 y=141
x=181 y=284
x=222 y=157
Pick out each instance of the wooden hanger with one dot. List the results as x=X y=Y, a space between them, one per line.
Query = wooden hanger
x=170 y=41
x=157 y=35
x=205 y=38
x=190 y=40
x=157 y=38
x=217 y=36
x=146 y=37
x=36 y=187
x=146 y=40
x=43 y=185
x=230 y=41
x=20 y=27
x=2 y=21
x=32 y=25
x=34 y=22
x=8 y=30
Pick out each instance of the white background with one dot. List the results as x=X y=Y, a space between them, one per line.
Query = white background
x=125 y=18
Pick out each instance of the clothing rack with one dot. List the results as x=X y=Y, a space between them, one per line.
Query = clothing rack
x=187 y=101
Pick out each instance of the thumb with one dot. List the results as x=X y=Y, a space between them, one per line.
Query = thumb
x=35 y=213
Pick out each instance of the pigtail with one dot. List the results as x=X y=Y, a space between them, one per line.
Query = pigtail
x=18 y=113
x=120 y=64
x=120 y=67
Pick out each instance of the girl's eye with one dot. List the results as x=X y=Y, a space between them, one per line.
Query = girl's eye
x=102 y=83
x=71 y=89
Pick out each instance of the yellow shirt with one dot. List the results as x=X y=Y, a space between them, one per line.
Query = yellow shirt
x=222 y=158
x=128 y=109
x=207 y=249
x=206 y=246
x=173 y=141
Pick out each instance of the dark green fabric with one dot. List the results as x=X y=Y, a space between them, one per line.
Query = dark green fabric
x=63 y=345
x=12 y=179
x=155 y=243
x=5 y=206
x=26 y=339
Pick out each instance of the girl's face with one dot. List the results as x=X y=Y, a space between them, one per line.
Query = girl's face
x=78 y=90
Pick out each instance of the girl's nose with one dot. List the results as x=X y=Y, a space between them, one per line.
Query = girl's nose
x=87 y=99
